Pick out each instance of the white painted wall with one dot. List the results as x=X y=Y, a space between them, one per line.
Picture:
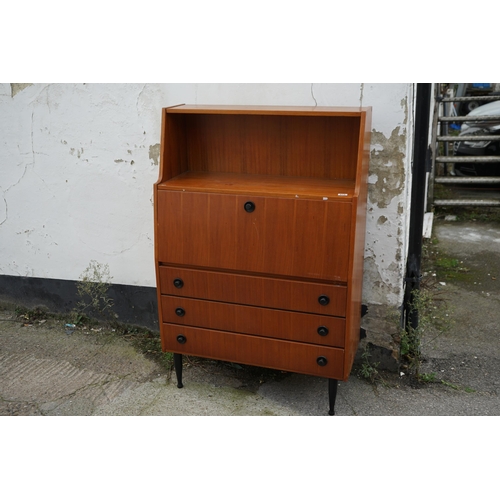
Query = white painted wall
x=78 y=162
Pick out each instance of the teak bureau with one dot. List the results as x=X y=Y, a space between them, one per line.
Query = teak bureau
x=259 y=235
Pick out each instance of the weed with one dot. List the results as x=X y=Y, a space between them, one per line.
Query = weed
x=427 y=377
x=368 y=370
x=80 y=319
x=411 y=338
x=432 y=317
x=92 y=290
x=31 y=315
x=457 y=387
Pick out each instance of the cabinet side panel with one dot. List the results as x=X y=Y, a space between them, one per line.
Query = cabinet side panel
x=359 y=207
x=173 y=146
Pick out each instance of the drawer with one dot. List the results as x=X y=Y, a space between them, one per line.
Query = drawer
x=254 y=290
x=280 y=236
x=311 y=328
x=251 y=350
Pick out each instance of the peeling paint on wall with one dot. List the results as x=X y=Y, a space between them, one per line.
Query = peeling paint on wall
x=78 y=152
x=386 y=232
x=15 y=88
x=380 y=288
x=387 y=167
x=154 y=154
x=88 y=154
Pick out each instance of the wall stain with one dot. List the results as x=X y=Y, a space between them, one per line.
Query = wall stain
x=382 y=325
x=15 y=88
x=404 y=106
x=373 y=281
x=78 y=152
x=387 y=164
x=154 y=154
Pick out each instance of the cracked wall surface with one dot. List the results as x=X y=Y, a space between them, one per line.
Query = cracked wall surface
x=78 y=162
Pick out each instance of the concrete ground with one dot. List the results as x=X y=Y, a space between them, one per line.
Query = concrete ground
x=48 y=369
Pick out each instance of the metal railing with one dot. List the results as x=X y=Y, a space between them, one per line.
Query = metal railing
x=441 y=134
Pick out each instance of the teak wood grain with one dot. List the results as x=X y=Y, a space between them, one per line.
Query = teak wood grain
x=253 y=290
x=288 y=142
x=251 y=281
x=252 y=350
x=273 y=145
x=267 y=110
x=262 y=185
x=272 y=323
x=289 y=237
x=357 y=246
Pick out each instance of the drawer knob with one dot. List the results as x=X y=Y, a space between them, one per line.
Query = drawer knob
x=323 y=331
x=322 y=361
x=178 y=283
x=181 y=339
x=323 y=300
x=249 y=206
x=180 y=311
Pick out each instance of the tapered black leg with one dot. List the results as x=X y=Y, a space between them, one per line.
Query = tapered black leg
x=332 y=394
x=178 y=369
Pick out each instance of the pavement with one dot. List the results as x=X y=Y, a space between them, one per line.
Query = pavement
x=48 y=369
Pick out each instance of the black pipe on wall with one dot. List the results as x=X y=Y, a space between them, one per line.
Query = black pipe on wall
x=419 y=169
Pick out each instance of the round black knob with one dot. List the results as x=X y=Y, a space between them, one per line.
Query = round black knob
x=322 y=361
x=249 y=206
x=323 y=300
x=322 y=330
x=178 y=283
x=181 y=339
x=180 y=311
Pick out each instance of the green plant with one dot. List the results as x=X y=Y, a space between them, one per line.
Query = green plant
x=368 y=370
x=31 y=315
x=432 y=317
x=80 y=319
x=457 y=387
x=92 y=290
x=427 y=377
x=430 y=306
x=421 y=305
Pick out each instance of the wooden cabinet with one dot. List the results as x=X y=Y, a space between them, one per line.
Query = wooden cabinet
x=259 y=235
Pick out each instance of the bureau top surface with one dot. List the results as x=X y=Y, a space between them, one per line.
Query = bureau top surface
x=268 y=110
x=261 y=185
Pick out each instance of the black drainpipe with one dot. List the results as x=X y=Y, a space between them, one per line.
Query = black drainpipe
x=421 y=157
